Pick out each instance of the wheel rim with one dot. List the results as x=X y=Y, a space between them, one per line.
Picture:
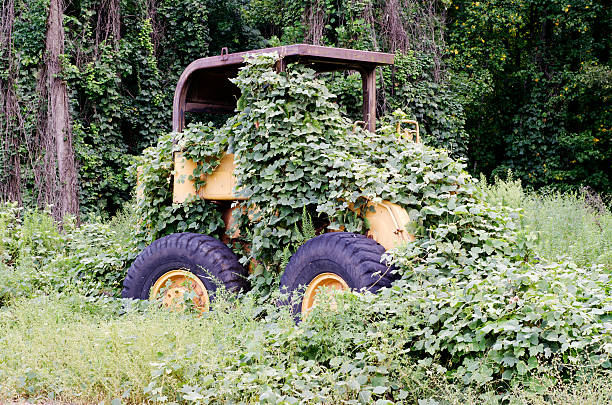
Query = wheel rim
x=328 y=280
x=174 y=284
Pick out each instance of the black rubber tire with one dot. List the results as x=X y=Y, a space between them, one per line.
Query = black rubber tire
x=354 y=257
x=206 y=257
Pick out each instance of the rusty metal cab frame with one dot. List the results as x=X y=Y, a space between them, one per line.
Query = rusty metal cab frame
x=204 y=87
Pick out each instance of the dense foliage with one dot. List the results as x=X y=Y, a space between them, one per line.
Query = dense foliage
x=483 y=300
x=105 y=356
x=121 y=64
x=531 y=81
x=473 y=298
x=293 y=149
x=538 y=80
x=424 y=339
x=515 y=85
x=36 y=257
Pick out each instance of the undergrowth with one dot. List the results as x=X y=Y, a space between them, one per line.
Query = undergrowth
x=38 y=255
x=576 y=225
x=488 y=301
x=77 y=350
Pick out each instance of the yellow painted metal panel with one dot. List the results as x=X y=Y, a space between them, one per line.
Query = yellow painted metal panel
x=219 y=185
x=388 y=224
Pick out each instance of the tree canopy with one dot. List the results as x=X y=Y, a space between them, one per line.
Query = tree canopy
x=508 y=85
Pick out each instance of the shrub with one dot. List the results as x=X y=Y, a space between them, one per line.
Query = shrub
x=38 y=257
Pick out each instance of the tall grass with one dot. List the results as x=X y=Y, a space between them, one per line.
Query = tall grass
x=569 y=225
x=74 y=350
x=70 y=348
x=39 y=256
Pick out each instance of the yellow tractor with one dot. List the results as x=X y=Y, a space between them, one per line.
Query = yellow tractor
x=195 y=263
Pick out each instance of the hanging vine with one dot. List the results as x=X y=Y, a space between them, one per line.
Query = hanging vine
x=11 y=120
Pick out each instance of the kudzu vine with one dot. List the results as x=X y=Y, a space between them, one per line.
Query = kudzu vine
x=470 y=279
x=293 y=149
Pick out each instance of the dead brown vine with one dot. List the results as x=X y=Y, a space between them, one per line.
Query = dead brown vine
x=54 y=166
x=411 y=25
x=315 y=17
x=108 y=26
x=11 y=120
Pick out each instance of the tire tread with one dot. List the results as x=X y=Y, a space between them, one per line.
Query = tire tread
x=227 y=268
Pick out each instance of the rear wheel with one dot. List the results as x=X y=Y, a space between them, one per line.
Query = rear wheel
x=184 y=262
x=338 y=260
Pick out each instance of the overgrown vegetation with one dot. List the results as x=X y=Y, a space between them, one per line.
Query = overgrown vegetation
x=523 y=86
x=504 y=296
x=481 y=304
x=574 y=225
x=249 y=353
x=537 y=77
x=37 y=258
x=293 y=149
x=250 y=349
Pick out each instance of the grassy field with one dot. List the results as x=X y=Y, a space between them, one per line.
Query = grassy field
x=69 y=350
x=64 y=347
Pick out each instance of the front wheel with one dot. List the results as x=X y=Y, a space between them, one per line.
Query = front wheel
x=182 y=262
x=338 y=260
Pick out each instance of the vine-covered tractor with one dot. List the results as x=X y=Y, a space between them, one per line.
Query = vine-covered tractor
x=187 y=262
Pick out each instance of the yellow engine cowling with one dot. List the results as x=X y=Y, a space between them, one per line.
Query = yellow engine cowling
x=219 y=185
x=387 y=221
x=387 y=224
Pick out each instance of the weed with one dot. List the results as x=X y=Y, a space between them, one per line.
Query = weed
x=81 y=350
x=570 y=225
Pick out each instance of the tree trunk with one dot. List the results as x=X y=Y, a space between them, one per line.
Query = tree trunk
x=11 y=121
x=59 y=179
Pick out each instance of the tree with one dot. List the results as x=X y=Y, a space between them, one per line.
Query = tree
x=56 y=170
x=11 y=121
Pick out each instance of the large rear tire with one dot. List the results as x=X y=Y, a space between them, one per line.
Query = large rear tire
x=177 y=257
x=339 y=260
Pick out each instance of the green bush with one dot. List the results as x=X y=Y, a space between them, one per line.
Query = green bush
x=38 y=257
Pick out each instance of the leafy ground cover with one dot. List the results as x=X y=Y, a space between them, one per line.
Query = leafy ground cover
x=66 y=347
x=82 y=351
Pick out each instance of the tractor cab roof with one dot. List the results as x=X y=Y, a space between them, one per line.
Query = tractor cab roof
x=204 y=86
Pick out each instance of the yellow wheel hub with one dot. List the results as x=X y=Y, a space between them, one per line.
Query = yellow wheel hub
x=174 y=284
x=330 y=281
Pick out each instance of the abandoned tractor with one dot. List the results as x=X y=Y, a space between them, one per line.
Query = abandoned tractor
x=197 y=264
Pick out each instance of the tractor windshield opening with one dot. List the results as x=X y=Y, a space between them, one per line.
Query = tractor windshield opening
x=205 y=86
